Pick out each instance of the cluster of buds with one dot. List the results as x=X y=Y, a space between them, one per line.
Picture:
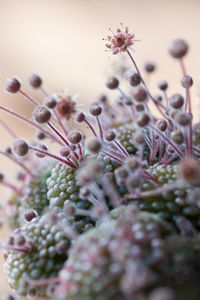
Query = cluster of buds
x=115 y=211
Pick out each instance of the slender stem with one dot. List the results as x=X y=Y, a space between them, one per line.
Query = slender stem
x=100 y=128
x=60 y=159
x=121 y=148
x=112 y=156
x=47 y=281
x=10 y=185
x=8 y=129
x=165 y=138
x=138 y=71
x=56 y=131
x=90 y=126
x=47 y=133
x=18 y=162
x=33 y=101
x=60 y=123
x=188 y=103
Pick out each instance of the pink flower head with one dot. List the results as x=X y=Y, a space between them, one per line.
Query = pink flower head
x=120 y=40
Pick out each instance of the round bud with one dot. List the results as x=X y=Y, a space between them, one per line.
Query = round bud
x=20 y=240
x=35 y=81
x=190 y=171
x=42 y=147
x=142 y=119
x=183 y=118
x=139 y=107
x=65 y=152
x=20 y=147
x=133 y=182
x=132 y=163
x=149 y=67
x=84 y=192
x=94 y=145
x=12 y=85
x=102 y=99
x=30 y=215
x=128 y=101
x=110 y=135
x=122 y=173
x=50 y=102
x=139 y=138
x=69 y=209
x=139 y=94
x=134 y=79
x=176 y=101
x=75 y=137
x=1 y=176
x=162 y=125
x=178 y=48
x=95 y=110
x=158 y=98
x=8 y=150
x=112 y=83
x=40 y=135
x=162 y=85
x=177 y=137
x=80 y=117
x=186 y=81
x=42 y=114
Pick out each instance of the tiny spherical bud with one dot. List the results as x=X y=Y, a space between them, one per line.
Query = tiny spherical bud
x=50 y=102
x=139 y=94
x=178 y=48
x=62 y=247
x=128 y=101
x=142 y=119
x=8 y=150
x=162 y=125
x=42 y=147
x=183 y=118
x=65 y=152
x=30 y=215
x=72 y=147
x=139 y=138
x=80 y=117
x=177 y=137
x=42 y=114
x=112 y=83
x=133 y=182
x=1 y=176
x=69 y=209
x=20 y=147
x=132 y=163
x=20 y=240
x=12 y=85
x=110 y=135
x=149 y=67
x=95 y=110
x=190 y=171
x=75 y=137
x=40 y=135
x=94 y=145
x=102 y=99
x=84 y=192
x=122 y=172
x=162 y=85
x=139 y=107
x=176 y=101
x=134 y=79
x=186 y=81
x=158 y=98
x=35 y=81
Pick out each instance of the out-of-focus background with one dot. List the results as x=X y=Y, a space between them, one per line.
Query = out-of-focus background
x=62 y=41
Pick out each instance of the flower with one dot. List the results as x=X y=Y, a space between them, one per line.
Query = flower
x=120 y=40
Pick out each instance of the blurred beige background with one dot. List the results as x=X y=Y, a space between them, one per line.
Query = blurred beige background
x=62 y=41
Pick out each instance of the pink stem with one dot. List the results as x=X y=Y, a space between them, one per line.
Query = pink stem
x=60 y=159
x=90 y=126
x=47 y=133
x=33 y=101
x=100 y=128
x=53 y=128
x=123 y=150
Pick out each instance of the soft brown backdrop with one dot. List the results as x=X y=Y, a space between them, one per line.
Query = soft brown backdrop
x=61 y=40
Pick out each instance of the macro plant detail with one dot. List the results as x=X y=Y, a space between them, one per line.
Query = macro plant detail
x=113 y=211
